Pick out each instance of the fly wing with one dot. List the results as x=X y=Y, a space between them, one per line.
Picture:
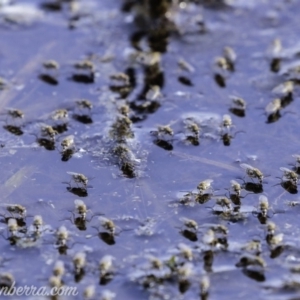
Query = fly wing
x=103 y=220
x=263 y=199
x=285 y=170
x=246 y=167
x=273 y=106
x=208 y=181
x=78 y=202
x=69 y=137
x=233 y=182
x=8 y=204
x=72 y=173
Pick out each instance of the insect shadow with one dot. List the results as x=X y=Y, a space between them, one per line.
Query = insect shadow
x=83 y=78
x=183 y=286
x=16 y=130
x=254 y=274
x=80 y=221
x=52 y=6
x=296 y=169
x=263 y=217
x=274 y=117
x=80 y=192
x=109 y=237
x=13 y=239
x=288 y=185
x=275 y=65
x=128 y=170
x=47 y=144
x=238 y=112
x=106 y=278
x=287 y=100
x=220 y=80
x=145 y=108
x=78 y=276
x=62 y=248
x=122 y=90
x=77 y=190
x=194 y=140
x=185 y=80
x=166 y=145
x=227 y=137
x=48 y=79
x=208 y=259
x=106 y=237
x=67 y=154
x=61 y=128
x=203 y=198
x=253 y=187
x=20 y=221
x=84 y=119
x=190 y=235
x=277 y=251
x=191 y=197
x=236 y=198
